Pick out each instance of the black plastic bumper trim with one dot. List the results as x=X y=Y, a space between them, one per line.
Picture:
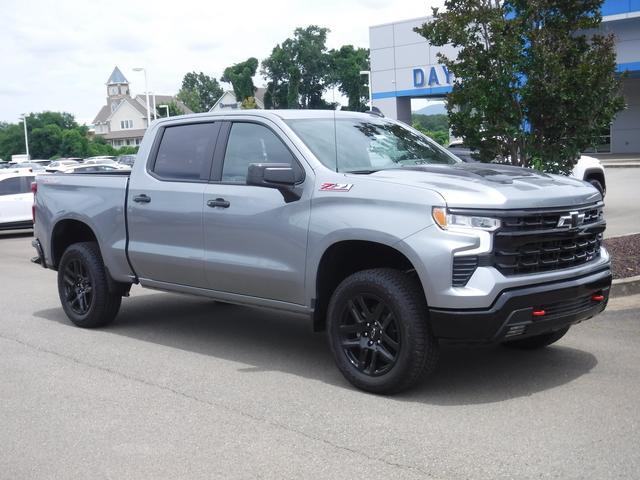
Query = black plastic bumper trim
x=513 y=308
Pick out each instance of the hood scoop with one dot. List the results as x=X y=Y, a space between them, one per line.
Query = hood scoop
x=504 y=174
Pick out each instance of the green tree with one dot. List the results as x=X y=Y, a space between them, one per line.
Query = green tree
x=440 y=136
x=199 y=92
x=174 y=109
x=533 y=82
x=249 y=103
x=240 y=76
x=299 y=70
x=346 y=64
x=44 y=142
x=73 y=143
x=431 y=122
x=11 y=140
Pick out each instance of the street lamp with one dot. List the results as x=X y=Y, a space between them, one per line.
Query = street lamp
x=26 y=137
x=167 y=107
x=368 y=74
x=146 y=88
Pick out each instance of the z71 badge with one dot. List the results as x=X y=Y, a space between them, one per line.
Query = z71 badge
x=336 y=187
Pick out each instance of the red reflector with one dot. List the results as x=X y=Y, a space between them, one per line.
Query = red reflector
x=538 y=313
x=597 y=297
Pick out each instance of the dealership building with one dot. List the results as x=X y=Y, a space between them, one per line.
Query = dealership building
x=404 y=66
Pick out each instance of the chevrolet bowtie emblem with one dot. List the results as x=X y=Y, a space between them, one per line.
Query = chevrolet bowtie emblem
x=573 y=220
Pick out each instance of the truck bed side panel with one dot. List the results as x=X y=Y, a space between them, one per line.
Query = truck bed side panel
x=96 y=200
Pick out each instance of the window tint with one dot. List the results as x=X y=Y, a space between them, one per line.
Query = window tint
x=251 y=143
x=11 y=186
x=185 y=152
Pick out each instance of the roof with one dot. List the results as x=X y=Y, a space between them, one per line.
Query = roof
x=116 y=77
x=259 y=96
x=103 y=115
x=274 y=114
x=161 y=100
x=137 y=133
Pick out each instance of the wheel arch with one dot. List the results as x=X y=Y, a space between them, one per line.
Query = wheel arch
x=66 y=232
x=595 y=174
x=345 y=257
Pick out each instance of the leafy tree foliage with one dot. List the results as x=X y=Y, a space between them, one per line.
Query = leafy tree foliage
x=199 y=92
x=440 y=136
x=249 y=103
x=53 y=135
x=174 y=109
x=533 y=82
x=298 y=70
x=345 y=66
x=431 y=122
x=240 y=76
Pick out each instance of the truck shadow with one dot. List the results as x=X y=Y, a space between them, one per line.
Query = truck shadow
x=276 y=341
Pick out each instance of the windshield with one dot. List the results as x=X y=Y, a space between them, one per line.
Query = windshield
x=365 y=145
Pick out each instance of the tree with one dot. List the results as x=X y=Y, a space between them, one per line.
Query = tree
x=73 y=144
x=199 y=92
x=11 y=140
x=45 y=141
x=346 y=64
x=240 y=76
x=174 y=109
x=298 y=70
x=249 y=103
x=533 y=83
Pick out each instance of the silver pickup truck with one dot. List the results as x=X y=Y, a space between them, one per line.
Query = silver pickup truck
x=365 y=226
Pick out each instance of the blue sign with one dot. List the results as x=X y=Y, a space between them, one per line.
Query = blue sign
x=437 y=75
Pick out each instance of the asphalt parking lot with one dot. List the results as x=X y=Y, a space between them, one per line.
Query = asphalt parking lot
x=181 y=387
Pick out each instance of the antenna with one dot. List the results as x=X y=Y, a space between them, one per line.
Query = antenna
x=335 y=128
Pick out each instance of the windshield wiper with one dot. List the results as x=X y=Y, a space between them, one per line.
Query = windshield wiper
x=361 y=172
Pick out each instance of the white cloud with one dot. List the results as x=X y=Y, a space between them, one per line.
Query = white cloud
x=57 y=55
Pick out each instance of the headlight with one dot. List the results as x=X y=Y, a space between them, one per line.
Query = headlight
x=448 y=221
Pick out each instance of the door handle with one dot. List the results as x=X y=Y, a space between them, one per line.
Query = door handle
x=218 y=202
x=142 y=198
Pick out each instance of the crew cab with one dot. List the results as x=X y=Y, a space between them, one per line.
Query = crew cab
x=361 y=224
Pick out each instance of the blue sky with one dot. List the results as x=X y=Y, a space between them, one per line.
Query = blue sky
x=58 y=55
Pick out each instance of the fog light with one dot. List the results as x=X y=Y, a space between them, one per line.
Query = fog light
x=538 y=313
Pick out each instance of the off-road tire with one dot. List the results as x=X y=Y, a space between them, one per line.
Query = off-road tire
x=101 y=305
x=417 y=349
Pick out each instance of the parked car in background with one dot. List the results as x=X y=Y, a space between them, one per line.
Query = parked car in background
x=92 y=169
x=33 y=166
x=587 y=168
x=39 y=161
x=60 y=165
x=16 y=199
x=106 y=161
x=126 y=160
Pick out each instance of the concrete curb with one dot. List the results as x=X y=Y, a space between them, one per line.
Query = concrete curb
x=622 y=287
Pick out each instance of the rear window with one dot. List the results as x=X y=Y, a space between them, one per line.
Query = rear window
x=11 y=186
x=185 y=152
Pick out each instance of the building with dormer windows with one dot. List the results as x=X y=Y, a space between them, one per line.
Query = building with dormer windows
x=123 y=120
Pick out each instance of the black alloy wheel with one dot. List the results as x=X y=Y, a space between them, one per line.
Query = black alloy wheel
x=369 y=335
x=379 y=331
x=78 y=287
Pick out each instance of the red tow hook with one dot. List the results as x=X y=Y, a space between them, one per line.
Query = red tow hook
x=597 y=297
x=538 y=313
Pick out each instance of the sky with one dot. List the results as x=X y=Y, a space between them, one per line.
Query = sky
x=57 y=55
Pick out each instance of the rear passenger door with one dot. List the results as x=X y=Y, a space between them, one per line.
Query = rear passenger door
x=16 y=199
x=255 y=241
x=165 y=204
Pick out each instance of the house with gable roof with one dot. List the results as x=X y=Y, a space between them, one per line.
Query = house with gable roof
x=123 y=120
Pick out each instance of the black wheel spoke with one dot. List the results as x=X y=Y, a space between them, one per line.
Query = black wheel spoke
x=390 y=342
x=368 y=334
x=353 y=328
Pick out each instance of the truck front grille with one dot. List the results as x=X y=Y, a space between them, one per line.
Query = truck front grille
x=540 y=241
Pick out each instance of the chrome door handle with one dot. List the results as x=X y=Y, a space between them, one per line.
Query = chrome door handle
x=142 y=198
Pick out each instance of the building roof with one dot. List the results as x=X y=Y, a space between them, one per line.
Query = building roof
x=161 y=100
x=103 y=115
x=259 y=96
x=116 y=77
x=133 y=133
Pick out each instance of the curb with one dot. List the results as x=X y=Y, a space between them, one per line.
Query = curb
x=622 y=287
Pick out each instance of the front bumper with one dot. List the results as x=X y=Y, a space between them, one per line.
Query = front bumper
x=512 y=314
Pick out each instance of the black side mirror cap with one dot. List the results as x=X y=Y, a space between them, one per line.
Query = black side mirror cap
x=282 y=176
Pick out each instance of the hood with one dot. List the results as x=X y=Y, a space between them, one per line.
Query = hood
x=481 y=185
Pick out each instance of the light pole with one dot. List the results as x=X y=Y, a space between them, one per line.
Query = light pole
x=368 y=74
x=26 y=137
x=146 y=88
x=155 y=112
x=167 y=107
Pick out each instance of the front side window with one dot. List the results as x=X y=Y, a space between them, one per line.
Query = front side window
x=364 y=145
x=11 y=186
x=185 y=152
x=251 y=143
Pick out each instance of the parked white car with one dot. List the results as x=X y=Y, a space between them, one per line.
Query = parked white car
x=16 y=199
x=61 y=165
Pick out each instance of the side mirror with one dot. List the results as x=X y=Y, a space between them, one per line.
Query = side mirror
x=281 y=176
